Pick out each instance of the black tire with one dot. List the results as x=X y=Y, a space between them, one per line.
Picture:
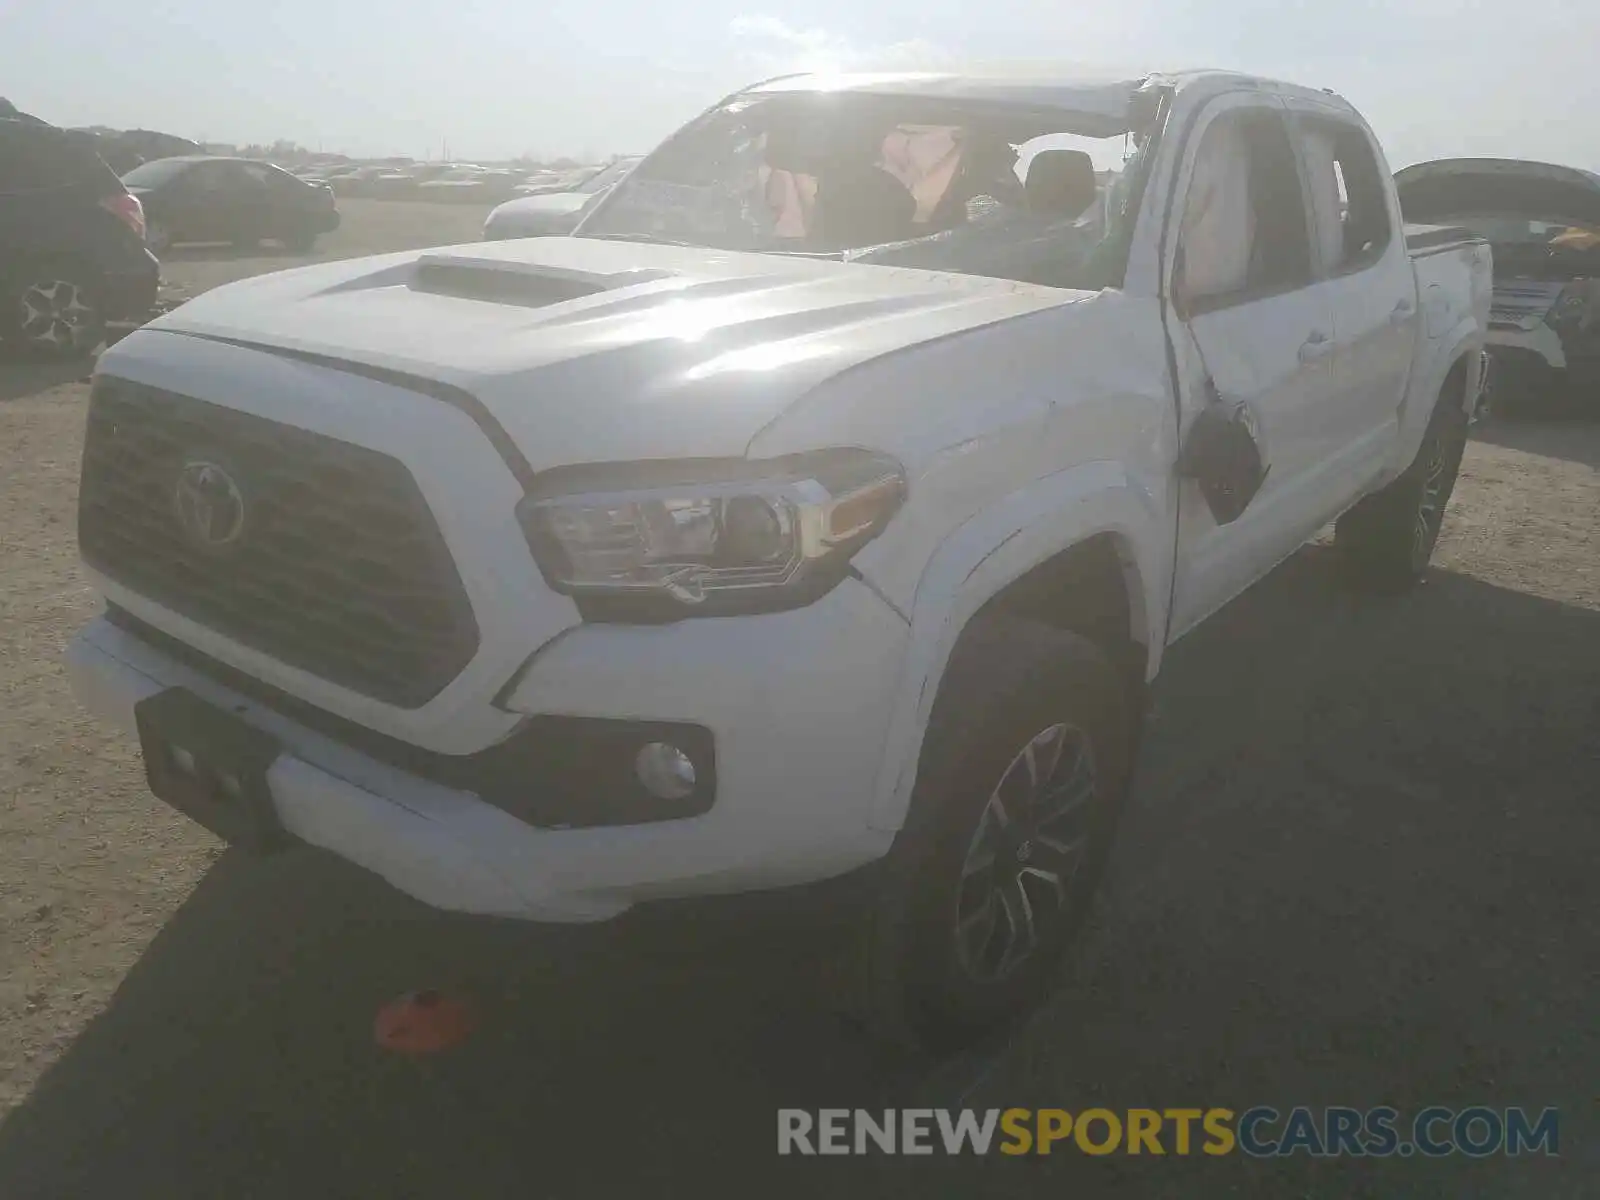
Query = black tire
x=929 y=978
x=1388 y=538
x=299 y=243
x=54 y=311
x=157 y=237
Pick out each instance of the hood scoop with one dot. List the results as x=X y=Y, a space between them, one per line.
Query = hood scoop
x=531 y=285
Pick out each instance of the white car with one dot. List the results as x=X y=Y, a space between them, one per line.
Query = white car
x=554 y=212
x=703 y=552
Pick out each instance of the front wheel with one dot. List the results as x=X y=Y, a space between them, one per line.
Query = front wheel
x=300 y=243
x=1023 y=774
x=1388 y=538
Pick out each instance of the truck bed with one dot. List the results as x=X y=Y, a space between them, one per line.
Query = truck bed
x=1430 y=239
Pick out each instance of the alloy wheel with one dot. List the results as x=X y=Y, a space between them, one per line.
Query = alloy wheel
x=1430 y=505
x=56 y=315
x=1031 y=841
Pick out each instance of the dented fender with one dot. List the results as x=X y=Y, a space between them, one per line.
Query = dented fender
x=997 y=547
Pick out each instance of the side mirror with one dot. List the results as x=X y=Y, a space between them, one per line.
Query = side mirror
x=1222 y=456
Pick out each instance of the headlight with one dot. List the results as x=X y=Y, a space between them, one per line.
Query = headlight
x=712 y=537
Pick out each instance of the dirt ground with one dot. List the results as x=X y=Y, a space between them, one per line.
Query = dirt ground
x=1360 y=870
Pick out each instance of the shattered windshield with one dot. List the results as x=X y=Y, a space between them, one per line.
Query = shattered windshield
x=980 y=189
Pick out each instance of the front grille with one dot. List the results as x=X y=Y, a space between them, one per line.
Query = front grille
x=318 y=553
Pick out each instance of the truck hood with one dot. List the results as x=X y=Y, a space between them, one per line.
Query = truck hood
x=1452 y=188
x=588 y=350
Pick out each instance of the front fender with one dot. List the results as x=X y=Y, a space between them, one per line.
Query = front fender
x=995 y=548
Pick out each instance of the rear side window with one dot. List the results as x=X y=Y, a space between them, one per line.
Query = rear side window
x=1349 y=199
x=40 y=158
x=262 y=174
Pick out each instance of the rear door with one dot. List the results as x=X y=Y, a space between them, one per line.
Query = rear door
x=1368 y=280
x=1253 y=325
x=197 y=203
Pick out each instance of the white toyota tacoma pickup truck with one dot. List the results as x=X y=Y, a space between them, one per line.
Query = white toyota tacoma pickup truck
x=823 y=508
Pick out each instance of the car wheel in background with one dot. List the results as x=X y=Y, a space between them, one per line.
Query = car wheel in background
x=300 y=243
x=56 y=313
x=157 y=237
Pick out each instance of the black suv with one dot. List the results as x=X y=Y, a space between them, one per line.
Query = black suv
x=72 y=250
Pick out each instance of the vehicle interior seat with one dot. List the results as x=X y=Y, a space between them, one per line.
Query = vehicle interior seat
x=1061 y=184
x=863 y=205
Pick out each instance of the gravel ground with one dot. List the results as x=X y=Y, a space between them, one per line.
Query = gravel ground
x=1359 y=870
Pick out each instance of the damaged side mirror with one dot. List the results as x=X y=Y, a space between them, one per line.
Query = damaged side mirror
x=1221 y=454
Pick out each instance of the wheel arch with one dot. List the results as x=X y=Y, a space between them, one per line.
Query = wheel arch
x=1093 y=557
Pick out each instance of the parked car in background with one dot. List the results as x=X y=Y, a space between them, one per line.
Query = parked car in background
x=356 y=181
x=554 y=213
x=542 y=182
x=472 y=185
x=1543 y=221
x=690 y=556
x=238 y=200
x=72 y=251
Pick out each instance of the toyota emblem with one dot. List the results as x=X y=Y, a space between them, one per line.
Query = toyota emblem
x=209 y=504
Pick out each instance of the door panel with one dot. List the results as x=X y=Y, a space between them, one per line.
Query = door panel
x=1371 y=289
x=1273 y=356
x=203 y=201
x=1252 y=328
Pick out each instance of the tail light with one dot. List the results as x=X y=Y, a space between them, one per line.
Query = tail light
x=127 y=209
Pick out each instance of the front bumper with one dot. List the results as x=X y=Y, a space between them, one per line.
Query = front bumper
x=798 y=704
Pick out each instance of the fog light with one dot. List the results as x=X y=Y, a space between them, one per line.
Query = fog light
x=665 y=771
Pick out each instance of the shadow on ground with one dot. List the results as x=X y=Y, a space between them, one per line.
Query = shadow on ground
x=22 y=376
x=1569 y=437
x=1359 y=871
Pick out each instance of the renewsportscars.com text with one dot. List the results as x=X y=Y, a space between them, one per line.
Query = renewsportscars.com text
x=1259 y=1132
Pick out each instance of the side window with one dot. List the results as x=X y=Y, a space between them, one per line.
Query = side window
x=34 y=159
x=262 y=175
x=210 y=178
x=1244 y=232
x=1349 y=199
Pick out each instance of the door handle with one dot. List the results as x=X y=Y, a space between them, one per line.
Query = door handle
x=1318 y=345
x=1402 y=313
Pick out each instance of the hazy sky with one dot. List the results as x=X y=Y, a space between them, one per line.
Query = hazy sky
x=496 y=78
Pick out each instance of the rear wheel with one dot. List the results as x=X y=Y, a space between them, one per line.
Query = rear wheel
x=1023 y=774
x=157 y=236
x=1389 y=537
x=300 y=243
x=56 y=313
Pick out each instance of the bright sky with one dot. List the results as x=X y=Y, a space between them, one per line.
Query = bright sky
x=496 y=78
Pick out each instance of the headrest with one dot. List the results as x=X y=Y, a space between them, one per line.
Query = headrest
x=1061 y=183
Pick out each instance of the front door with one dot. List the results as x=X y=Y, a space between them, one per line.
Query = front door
x=1253 y=328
